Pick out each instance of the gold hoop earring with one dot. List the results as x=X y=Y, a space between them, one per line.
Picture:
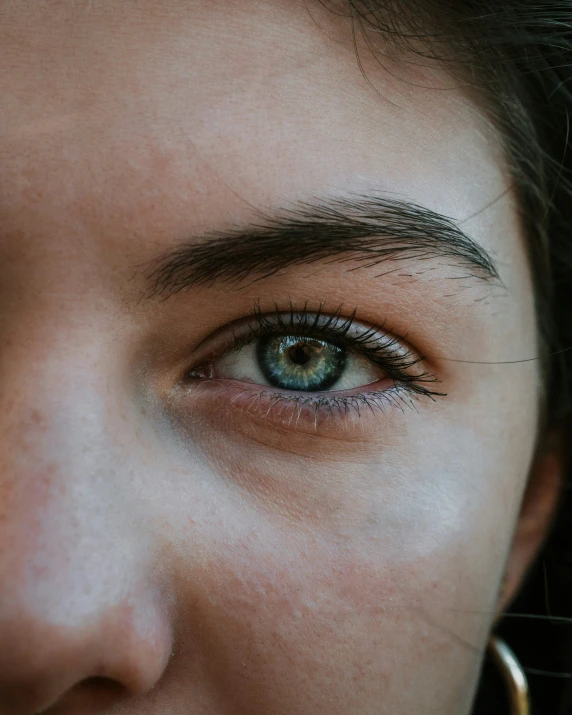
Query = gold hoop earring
x=513 y=676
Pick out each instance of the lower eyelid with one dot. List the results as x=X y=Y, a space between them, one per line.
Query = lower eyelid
x=264 y=413
x=307 y=412
x=255 y=391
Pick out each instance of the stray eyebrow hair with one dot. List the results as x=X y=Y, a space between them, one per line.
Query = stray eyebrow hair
x=365 y=230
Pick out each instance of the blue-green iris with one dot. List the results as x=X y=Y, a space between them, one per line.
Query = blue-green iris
x=297 y=363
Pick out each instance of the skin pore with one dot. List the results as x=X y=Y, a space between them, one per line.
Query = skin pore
x=174 y=537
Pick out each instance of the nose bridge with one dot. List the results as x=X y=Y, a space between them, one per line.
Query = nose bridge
x=76 y=601
x=59 y=386
x=53 y=435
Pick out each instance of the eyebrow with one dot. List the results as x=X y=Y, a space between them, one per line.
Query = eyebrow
x=364 y=230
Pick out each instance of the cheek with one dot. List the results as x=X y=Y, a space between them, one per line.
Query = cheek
x=283 y=613
x=281 y=627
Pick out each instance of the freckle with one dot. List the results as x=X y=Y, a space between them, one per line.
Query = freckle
x=36 y=417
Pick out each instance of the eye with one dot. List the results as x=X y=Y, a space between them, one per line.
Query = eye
x=313 y=363
x=297 y=363
x=313 y=353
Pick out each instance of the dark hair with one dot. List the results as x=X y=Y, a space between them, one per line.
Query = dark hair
x=517 y=55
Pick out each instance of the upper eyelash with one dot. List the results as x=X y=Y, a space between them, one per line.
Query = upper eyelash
x=396 y=364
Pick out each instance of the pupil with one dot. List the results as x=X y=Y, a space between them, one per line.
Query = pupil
x=300 y=354
x=297 y=363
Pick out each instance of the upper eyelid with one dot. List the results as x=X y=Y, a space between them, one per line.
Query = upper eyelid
x=340 y=325
x=347 y=329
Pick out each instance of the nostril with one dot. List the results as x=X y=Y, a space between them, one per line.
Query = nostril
x=90 y=696
x=101 y=684
x=100 y=687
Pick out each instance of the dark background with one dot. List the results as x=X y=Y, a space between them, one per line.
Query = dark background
x=540 y=640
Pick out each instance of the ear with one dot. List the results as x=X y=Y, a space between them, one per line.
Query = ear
x=536 y=515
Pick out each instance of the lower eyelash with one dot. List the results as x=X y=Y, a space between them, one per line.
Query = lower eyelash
x=315 y=405
x=346 y=404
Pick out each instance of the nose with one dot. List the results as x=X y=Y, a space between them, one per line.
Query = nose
x=83 y=621
x=112 y=655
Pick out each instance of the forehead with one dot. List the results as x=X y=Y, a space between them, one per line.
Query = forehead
x=260 y=98
x=126 y=126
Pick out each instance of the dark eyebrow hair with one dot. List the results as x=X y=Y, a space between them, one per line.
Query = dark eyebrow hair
x=366 y=230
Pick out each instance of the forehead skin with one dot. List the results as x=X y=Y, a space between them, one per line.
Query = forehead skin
x=250 y=569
